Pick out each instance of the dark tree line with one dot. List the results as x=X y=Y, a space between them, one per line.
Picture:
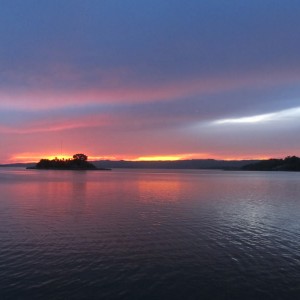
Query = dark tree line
x=290 y=163
x=79 y=161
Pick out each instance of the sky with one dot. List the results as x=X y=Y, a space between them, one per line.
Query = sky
x=142 y=80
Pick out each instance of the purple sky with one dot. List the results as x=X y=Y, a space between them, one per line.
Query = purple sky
x=141 y=79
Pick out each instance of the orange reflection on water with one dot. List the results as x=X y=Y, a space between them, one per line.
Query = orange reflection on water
x=163 y=190
x=52 y=195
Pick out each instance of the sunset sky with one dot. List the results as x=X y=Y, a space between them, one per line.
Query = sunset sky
x=159 y=79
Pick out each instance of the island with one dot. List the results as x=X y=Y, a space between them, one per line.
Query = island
x=290 y=163
x=79 y=162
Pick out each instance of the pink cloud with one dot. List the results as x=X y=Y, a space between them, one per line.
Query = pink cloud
x=48 y=98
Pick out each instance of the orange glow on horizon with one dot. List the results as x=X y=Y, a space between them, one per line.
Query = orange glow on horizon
x=59 y=157
x=200 y=156
x=159 y=158
x=35 y=157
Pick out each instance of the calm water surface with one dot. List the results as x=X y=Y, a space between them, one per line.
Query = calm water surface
x=149 y=234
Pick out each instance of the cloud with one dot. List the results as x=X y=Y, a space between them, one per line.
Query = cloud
x=48 y=97
x=288 y=115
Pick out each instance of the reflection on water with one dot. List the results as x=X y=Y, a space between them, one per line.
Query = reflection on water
x=149 y=234
x=151 y=189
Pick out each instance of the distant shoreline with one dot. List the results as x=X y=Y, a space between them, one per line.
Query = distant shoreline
x=68 y=169
x=290 y=163
x=192 y=164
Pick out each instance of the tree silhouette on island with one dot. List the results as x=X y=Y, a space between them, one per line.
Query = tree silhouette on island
x=79 y=162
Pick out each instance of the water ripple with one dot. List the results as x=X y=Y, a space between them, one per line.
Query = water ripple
x=149 y=235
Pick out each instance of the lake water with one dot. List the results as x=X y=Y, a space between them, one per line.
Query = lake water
x=149 y=234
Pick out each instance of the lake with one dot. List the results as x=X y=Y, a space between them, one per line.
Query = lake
x=149 y=234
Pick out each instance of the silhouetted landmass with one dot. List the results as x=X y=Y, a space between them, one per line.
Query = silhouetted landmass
x=18 y=165
x=79 y=162
x=177 y=164
x=290 y=163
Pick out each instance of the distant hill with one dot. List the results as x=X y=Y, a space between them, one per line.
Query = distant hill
x=178 y=164
x=290 y=163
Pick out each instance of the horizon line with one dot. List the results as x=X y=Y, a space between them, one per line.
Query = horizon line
x=158 y=160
